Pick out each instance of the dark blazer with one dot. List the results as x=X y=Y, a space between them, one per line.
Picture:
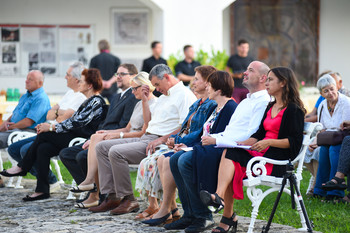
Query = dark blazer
x=292 y=126
x=206 y=159
x=119 y=111
x=108 y=65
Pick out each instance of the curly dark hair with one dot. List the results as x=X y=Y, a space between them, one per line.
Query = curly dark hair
x=291 y=89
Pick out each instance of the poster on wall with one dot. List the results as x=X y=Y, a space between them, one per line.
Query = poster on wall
x=75 y=45
x=39 y=49
x=130 y=27
x=9 y=50
x=49 y=48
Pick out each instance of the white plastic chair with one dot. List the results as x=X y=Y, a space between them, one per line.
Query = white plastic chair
x=256 y=173
x=20 y=135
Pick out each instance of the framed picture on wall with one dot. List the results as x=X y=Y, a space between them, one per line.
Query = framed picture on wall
x=130 y=27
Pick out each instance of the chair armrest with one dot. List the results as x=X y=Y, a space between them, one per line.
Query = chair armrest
x=76 y=141
x=259 y=169
x=19 y=135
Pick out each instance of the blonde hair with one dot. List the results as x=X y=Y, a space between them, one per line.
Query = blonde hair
x=142 y=78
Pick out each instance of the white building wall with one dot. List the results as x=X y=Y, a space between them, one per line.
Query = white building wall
x=335 y=38
x=76 y=12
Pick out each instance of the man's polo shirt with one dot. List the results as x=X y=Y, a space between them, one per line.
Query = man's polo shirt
x=33 y=105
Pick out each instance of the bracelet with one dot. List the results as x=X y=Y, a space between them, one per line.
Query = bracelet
x=50 y=129
x=121 y=135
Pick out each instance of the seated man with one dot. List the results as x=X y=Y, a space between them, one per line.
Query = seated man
x=118 y=116
x=58 y=113
x=114 y=155
x=244 y=121
x=31 y=109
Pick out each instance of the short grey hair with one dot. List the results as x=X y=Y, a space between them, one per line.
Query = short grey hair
x=325 y=81
x=77 y=69
x=159 y=71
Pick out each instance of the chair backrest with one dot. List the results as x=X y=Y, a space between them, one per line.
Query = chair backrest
x=309 y=128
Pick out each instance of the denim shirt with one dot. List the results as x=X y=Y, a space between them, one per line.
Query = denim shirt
x=32 y=105
x=197 y=121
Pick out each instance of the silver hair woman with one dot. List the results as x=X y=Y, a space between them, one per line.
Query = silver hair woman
x=332 y=111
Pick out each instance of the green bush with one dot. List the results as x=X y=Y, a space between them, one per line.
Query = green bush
x=215 y=58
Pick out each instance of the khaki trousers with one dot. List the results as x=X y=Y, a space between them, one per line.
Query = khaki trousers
x=114 y=157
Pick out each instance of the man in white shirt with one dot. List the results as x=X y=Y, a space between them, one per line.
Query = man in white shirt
x=114 y=155
x=247 y=117
x=243 y=123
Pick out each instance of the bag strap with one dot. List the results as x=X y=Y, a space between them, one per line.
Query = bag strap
x=319 y=120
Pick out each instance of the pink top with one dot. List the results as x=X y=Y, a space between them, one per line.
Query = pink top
x=272 y=127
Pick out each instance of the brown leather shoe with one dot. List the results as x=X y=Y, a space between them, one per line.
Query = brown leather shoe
x=106 y=205
x=126 y=206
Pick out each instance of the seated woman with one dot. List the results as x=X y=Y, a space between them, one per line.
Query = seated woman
x=136 y=128
x=338 y=181
x=332 y=111
x=220 y=86
x=279 y=137
x=52 y=138
x=148 y=181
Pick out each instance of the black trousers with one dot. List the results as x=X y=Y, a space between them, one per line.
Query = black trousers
x=75 y=160
x=45 y=146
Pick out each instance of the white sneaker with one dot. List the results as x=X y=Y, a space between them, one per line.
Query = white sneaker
x=55 y=187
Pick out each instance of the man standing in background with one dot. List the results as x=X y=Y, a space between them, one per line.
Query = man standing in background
x=185 y=69
x=237 y=64
x=154 y=60
x=108 y=65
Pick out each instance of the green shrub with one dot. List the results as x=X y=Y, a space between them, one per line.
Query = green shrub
x=215 y=58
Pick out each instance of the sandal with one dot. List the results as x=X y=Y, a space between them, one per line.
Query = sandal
x=84 y=188
x=149 y=213
x=175 y=217
x=208 y=201
x=331 y=185
x=229 y=222
x=81 y=205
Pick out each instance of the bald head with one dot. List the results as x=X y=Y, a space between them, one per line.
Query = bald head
x=255 y=76
x=35 y=80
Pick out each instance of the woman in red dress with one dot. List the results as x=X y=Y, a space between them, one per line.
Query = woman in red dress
x=279 y=137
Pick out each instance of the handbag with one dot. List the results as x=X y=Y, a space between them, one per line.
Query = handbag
x=329 y=138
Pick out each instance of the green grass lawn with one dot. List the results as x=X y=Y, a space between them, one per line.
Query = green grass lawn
x=327 y=217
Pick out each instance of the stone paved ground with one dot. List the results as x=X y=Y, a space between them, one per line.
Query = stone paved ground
x=58 y=215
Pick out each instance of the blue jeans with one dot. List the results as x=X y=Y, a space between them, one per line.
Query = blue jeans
x=181 y=168
x=327 y=167
x=19 y=149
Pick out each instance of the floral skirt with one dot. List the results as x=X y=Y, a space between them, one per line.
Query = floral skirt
x=148 y=180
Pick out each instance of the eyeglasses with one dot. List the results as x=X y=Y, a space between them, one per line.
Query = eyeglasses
x=135 y=88
x=122 y=74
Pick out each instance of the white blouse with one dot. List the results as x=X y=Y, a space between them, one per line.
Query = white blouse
x=341 y=113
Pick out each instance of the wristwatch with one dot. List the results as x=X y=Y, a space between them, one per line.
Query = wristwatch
x=121 y=135
x=50 y=128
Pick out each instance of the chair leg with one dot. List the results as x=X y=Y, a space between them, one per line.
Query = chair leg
x=18 y=183
x=10 y=183
x=1 y=163
x=58 y=170
x=254 y=215
x=70 y=194
x=311 y=186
